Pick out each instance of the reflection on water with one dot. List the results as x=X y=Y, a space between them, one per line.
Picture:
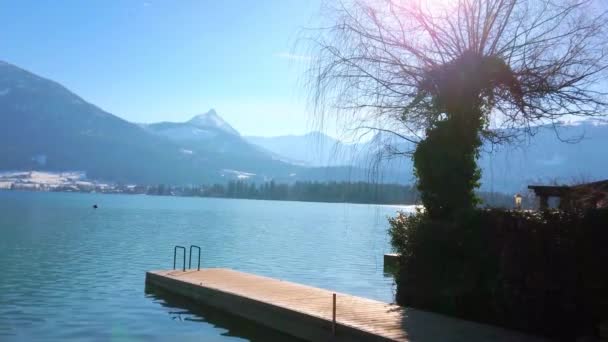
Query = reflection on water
x=182 y=309
x=71 y=272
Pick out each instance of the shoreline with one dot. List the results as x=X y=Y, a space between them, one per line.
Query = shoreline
x=212 y=197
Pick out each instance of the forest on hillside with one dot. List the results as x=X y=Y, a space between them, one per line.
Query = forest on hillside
x=348 y=192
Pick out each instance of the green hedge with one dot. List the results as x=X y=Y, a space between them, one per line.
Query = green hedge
x=541 y=272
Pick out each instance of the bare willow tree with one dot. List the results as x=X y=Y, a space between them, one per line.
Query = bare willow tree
x=445 y=74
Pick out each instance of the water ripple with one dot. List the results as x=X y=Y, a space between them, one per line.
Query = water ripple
x=74 y=273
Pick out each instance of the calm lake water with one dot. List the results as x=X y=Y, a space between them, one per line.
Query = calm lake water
x=71 y=272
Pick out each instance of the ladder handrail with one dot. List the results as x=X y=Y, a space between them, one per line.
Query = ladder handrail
x=190 y=258
x=175 y=255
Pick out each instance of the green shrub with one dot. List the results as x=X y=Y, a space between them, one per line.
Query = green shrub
x=542 y=272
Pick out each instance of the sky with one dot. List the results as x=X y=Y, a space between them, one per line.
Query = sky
x=165 y=60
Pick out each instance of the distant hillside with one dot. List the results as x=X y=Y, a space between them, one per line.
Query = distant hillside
x=209 y=136
x=312 y=149
x=542 y=158
x=44 y=126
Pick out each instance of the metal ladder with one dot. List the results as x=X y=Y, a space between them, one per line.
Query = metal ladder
x=198 y=268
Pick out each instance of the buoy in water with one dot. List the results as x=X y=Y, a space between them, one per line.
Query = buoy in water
x=94 y=206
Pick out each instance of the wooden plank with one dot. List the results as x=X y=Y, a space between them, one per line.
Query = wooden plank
x=306 y=312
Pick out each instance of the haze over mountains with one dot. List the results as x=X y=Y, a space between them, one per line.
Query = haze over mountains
x=208 y=137
x=540 y=159
x=312 y=149
x=44 y=126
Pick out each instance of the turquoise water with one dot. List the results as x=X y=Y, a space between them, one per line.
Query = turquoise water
x=71 y=272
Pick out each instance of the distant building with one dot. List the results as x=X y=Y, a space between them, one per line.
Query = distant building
x=588 y=195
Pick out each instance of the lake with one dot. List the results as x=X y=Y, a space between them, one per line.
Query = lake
x=71 y=272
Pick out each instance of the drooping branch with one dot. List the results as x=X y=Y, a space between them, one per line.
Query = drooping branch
x=372 y=63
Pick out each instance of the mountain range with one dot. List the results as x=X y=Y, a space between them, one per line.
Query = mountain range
x=574 y=152
x=44 y=126
x=311 y=149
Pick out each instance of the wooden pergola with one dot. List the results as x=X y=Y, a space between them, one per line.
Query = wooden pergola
x=590 y=195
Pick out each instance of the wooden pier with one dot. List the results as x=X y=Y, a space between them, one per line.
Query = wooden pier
x=391 y=259
x=309 y=313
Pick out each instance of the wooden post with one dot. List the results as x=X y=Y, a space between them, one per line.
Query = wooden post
x=544 y=202
x=333 y=325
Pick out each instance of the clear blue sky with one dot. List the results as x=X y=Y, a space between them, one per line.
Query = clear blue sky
x=154 y=60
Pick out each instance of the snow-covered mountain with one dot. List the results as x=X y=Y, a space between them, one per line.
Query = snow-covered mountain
x=46 y=127
x=202 y=127
x=212 y=121
x=210 y=136
x=545 y=158
x=542 y=158
x=311 y=149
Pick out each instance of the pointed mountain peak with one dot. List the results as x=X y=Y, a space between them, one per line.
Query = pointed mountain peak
x=211 y=114
x=213 y=121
